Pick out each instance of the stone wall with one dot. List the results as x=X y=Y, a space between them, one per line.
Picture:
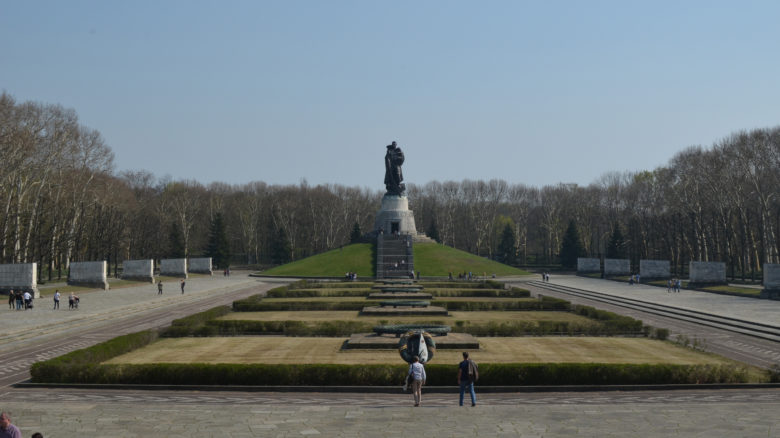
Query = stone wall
x=200 y=265
x=90 y=274
x=771 y=281
x=19 y=276
x=141 y=270
x=617 y=267
x=655 y=269
x=174 y=267
x=588 y=265
x=707 y=273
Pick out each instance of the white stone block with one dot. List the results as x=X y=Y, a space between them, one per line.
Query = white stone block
x=173 y=267
x=771 y=276
x=707 y=272
x=19 y=276
x=617 y=266
x=588 y=265
x=141 y=270
x=90 y=274
x=655 y=269
x=200 y=265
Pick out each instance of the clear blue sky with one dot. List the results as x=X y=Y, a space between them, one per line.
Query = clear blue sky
x=531 y=92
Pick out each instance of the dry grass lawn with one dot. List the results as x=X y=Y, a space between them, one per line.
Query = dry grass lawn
x=348 y=315
x=291 y=350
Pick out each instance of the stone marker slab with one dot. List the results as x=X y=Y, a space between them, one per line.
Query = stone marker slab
x=200 y=266
x=400 y=295
x=455 y=341
x=617 y=267
x=588 y=265
x=404 y=310
x=707 y=273
x=173 y=267
x=140 y=270
x=771 y=281
x=19 y=276
x=89 y=274
x=655 y=269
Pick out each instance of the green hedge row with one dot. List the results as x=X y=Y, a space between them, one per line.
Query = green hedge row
x=514 y=374
x=515 y=292
x=256 y=304
x=612 y=321
x=306 y=293
x=194 y=325
x=287 y=328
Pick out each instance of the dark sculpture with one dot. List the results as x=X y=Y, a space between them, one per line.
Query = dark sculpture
x=394 y=158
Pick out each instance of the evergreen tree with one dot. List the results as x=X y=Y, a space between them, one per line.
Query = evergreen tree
x=356 y=236
x=507 y=249
x=176 y=242
x=433 y=231
x=616 y=249
x=571 y=247
x=218 y=247
x=280 y=247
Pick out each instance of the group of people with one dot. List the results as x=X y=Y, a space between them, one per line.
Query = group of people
x=468 y=373
x=633 y=279
x=160 y=287
x=20 y=300
x=545 y=277
x=350 y=276
x=673 y=285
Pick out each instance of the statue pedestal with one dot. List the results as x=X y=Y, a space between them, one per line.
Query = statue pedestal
x=395 y=216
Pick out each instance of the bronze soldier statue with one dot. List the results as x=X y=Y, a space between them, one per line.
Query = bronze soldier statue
x=394 y=158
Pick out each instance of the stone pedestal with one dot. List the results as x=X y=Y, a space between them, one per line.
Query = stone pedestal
x=395 y=216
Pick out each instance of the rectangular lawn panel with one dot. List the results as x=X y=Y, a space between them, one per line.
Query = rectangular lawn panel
x=301 y=350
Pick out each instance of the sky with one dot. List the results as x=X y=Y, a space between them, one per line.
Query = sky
x=537 y=93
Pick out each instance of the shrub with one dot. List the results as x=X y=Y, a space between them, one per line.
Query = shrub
x=511 y=374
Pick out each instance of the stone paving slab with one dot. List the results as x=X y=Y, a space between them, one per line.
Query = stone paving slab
x=434 y=418
x=750 y=309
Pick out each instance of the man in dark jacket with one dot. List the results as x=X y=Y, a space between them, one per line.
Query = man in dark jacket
x=468 y=373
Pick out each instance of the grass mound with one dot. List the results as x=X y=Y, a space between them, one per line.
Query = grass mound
x=431 y=259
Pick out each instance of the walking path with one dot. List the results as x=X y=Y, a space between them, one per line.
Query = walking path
x=749 y=309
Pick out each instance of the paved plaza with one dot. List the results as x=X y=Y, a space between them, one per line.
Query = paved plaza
x=73 y=412
x=749 y=309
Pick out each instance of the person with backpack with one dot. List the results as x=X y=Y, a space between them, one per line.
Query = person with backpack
x=417 y=376
x=468 y=373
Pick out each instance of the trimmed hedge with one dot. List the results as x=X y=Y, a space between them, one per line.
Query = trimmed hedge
x=194 y=325
x=515 y=292
x=612 y=321
x=306 y=293
x=287 y=328
x=512 y=374
x=256 y=304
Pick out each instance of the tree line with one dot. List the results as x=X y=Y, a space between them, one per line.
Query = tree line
x=63 y=201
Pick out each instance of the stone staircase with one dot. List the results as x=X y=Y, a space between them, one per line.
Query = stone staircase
x=394 y=256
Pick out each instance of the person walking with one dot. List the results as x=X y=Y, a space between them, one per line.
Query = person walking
x=27 y=300
x=70 y=301
x=159 y=287
x=7 y=429
x=468 y=373
x=11 y=299
x=56 y=299
x=417 y=373
x=182 y=287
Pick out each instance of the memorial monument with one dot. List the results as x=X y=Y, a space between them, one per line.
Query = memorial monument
x=394 y=217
